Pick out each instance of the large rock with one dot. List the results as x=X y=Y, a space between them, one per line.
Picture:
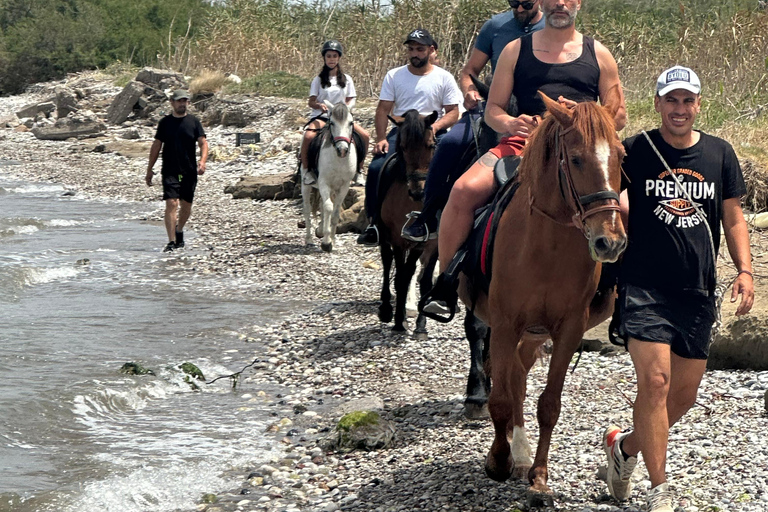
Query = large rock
x=361 y=430
x=66 y=101
x=69 y=127
x=32 y=110
x=353 y=219
x=124 y=103
x=9 y=121
x=741 y=343
x=274 y=186
x=154 y=76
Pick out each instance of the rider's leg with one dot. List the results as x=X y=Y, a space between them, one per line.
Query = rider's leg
x=365 y=137
x=371 y=234
x=309 y=134
x=449 y=151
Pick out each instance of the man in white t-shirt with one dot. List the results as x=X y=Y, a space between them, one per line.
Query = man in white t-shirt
x=418 y=85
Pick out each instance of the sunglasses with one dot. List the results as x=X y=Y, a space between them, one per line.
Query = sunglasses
x=526 y=5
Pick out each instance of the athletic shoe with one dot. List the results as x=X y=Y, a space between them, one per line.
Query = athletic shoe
x=369 y=237
x=418 y=231
x=442 y=299
x=170 y=247
x=660 y=499
x=619 y=476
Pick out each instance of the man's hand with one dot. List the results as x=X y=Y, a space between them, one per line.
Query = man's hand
x=381 y=147
x=148 y=177
x=566 y=102
x=744 y=286
x=471 y=99
x=522 y=126
x=200 y=168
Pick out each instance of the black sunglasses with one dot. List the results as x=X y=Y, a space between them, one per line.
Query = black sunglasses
x=526 y=5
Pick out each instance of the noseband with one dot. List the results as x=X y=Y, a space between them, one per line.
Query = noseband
x=338 y=139
x=577 y=203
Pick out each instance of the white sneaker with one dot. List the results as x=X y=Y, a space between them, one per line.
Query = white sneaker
x=619 y=476
x=359 y=179
x=660 y=499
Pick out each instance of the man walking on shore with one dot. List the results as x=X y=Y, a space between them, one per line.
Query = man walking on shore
x=176 y=135
x=681 y=183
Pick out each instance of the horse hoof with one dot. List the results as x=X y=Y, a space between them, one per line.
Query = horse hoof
x=385 y=314
x=326 y=247
x=420 y=335
x=476 y=411
x=521 y=472
x=539 y=499
x=494 y=469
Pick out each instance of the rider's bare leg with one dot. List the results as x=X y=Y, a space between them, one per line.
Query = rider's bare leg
x=309 y=134
x=470 y=192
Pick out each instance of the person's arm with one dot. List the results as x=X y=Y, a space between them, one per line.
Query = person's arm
x=474 y=66
x=498 y=98
x=609 y=78
x=202 y=142
x=154 y=153
x=316 y=105
x=381 y=122
x=449 y=119
x=350 y=101
x=737 y=238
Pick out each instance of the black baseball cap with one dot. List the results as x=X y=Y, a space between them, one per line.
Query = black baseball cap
x=420 y=36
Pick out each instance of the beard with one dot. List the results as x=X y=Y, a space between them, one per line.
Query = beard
x=525 y=17
x=180 y=109
x=419 y=63
x=560 y=22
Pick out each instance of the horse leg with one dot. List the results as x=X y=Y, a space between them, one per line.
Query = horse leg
x=405 y=266
x=478 y=382
x=505 y=403
x=565 y=342
x=306 y=195
x=528 y=349
x=425 y=284
x=341 y=194
x=327 y=204
x=385 y=309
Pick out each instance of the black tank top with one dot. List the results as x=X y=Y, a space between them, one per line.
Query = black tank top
x=576 y=80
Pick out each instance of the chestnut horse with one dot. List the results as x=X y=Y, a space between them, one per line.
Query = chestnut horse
x=550 y=242
x=401 y=188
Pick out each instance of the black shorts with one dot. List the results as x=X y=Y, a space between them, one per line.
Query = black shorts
x=179 y=186
x=682 y=320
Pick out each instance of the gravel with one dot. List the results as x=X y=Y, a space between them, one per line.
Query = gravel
x=332 y=355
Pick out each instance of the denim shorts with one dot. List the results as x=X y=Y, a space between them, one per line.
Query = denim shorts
x=682 y=320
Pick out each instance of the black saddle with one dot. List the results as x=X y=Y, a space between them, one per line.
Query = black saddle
x=315 y=144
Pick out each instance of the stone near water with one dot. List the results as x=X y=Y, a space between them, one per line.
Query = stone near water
x=273 y=186
x=135 y=369
x=69 y=127
x=123 y=104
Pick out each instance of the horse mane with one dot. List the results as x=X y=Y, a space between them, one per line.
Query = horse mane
x=592 y=121
x=411 y=132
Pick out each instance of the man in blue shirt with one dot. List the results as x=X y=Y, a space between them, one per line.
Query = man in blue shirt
x=523 y=18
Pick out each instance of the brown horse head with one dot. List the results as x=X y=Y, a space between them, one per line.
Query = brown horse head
x=583 y=158
x=415 y=147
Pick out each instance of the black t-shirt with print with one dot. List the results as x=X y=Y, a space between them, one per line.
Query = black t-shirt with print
x=179 y=136
x=669 y=248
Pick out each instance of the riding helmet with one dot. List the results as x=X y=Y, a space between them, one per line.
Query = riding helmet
x=332 y=45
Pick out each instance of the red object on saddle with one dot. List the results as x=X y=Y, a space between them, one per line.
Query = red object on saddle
x=484 y=253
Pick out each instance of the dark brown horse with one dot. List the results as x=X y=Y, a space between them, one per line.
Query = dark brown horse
x=546 y=262
x=402 y=191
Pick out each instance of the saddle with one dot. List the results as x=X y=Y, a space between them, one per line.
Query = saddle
x=315 y=144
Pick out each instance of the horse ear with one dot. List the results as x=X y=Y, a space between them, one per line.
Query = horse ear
x=612 y=100
x=396 y=120
x=431 y=118
x=328 y=104
x=562 y=113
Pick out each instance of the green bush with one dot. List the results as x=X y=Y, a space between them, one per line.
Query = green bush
x=276 y=83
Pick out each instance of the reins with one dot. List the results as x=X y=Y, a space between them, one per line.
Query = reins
x=577 y=203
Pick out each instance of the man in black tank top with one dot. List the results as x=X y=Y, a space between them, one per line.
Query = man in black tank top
x=559 y=60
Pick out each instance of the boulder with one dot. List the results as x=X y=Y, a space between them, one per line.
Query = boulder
x=66 y=101
x=740 y=344
x=361 y=430
x=273 y=186
x=70 y=127
x=235 y=117
x=353 y=219
x=9 y=121
x=153 y=76
x=123 y=104
x=36 y=108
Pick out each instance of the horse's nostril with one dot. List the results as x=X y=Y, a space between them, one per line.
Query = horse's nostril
x=602 y=245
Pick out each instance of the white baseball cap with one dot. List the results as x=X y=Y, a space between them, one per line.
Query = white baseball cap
x=678 y=77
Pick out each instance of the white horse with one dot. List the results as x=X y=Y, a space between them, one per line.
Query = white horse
x=337 y=164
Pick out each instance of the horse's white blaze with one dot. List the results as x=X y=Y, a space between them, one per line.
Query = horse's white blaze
x=603 y=155
x=521 y=450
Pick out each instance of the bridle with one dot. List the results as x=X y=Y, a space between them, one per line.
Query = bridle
x=577 y=203
x=340 y=138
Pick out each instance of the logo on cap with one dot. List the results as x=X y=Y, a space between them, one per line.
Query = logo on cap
x=678 y=75
x=416 y=34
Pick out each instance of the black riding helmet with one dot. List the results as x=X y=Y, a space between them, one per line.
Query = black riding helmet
x=332 y=45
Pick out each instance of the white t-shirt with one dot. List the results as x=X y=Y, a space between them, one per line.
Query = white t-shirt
x=334 y=93
x=425 y=93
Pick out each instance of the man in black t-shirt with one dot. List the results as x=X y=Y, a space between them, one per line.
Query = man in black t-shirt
x=667 y=302
x=176 y=135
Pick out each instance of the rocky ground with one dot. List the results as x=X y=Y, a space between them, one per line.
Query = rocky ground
x=335 y=356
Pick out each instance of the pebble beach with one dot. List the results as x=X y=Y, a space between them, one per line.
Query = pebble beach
x=334 y=356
